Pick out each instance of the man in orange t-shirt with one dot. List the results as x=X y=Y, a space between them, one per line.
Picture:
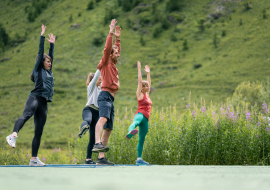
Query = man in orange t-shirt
x=110 y=86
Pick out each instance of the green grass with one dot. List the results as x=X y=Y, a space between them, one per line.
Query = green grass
x=241 y=55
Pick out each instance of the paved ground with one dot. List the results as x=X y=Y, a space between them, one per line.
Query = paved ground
x=137 y=177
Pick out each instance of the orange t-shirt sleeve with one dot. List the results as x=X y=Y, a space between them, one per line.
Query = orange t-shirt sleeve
x=106 y=52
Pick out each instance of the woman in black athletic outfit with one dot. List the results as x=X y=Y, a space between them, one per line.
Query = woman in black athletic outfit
x=36 y=103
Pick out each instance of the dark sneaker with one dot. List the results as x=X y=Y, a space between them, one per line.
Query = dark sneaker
x=132 y=133
x=83 y=130
x=104 y=161
x=90 y=162
x=100 y=148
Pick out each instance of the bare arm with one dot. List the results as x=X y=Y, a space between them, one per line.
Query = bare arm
x=139 y=89
x=147 y=69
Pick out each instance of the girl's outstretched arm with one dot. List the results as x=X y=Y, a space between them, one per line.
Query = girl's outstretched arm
x=39 y=60
x=139 y=89
x=147 y=69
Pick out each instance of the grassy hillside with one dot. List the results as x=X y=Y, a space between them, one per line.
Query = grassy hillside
x=208 y=70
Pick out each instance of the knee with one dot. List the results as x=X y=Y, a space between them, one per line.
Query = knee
x=103 y=120
x=38 y=134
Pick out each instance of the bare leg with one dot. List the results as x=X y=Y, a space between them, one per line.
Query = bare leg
x=101 y=122
x=105 y=138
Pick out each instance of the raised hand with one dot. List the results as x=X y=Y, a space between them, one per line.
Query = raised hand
x=139 y=65
x=52 y=38
x=112 y=25
x=43 y=28
x=147 y=69
x=117 y=32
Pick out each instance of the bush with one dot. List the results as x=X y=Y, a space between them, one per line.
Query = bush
x=174 y=5
x=215 y=41
x=264 y=14
x=98 y=40
x=247 y=6
x=201 y=24
x=145 y=18
x=240 y=22
x=157 y=31
x=165 y=23
x=70 y=18
x=4 y=38
x=90 y=5
x=142 y=41
x=109 y=15
x=223 y=33
x=173 y=38
x=250 y=94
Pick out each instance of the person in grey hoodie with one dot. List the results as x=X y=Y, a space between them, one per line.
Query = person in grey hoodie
x=36 y=103
x=90 y=113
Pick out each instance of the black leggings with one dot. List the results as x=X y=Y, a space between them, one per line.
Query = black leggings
x=90 y=117
x=37 y=106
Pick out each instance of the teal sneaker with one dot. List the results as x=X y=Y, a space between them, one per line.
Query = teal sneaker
x=141 y=162
x=132 y=133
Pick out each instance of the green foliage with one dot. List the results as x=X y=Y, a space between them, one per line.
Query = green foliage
x=240 y=22
x=90 y=5
x=109 y=15
x=157 y=31
x=223 y=34
x=129 y=23
x=4 y=38
x=127 y=5
x=247 y=5
x=97 y=1
x=185 y=45
x=165 y=23
x=37 y=7
x=79 y=14
x=215 y=40
x=145 y=18
x=98 y=39
x=174 y=5
x=201 y=24
x=250 y=94
x=264 y=14
x=142 y=41
x=173 y=37
x=70 y=18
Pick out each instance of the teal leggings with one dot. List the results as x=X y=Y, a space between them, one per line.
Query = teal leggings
x=141 y=121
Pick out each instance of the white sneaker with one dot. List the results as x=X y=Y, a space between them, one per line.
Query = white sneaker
x=11 y=140
x=36 y=162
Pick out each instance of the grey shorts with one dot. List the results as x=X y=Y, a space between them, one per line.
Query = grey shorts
x=106 y=108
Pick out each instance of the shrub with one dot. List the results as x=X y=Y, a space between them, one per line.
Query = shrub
x=174 y=5
x=215 y=40
x=264 y=14
x=201 y=24
x=70 y=18
x=142 y=41
x=97 y=1
x=109 y=15
x=157 y=31
x=240 y=22
x=173 y=38
x=223 y=33
x=90 y=5
x=250 y=94
x=98 y=39
x=165 y=23
x=4 y=38
x=247 y=5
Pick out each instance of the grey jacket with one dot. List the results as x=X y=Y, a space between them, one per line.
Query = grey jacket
x=43 y=79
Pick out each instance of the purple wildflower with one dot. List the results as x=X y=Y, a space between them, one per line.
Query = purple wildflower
x=118 y=119
x=75 y=161
x=257 y=136
x=125 y=117
x=265 y=108
x=44 y=159
x=203 y=109
x=188 y=106
x=56 y=150
x=194 y=114
x=248 y=115
x=267 y=129
x=70 y=154
x=259 y=123
x=28 y=155
x=162 y=118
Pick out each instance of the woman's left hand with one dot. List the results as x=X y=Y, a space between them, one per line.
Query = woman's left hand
x=52 y=38
x=147 y=69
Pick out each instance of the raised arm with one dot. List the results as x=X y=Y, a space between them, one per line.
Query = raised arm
x=147 y=70
x=139 y=89
x=117 y=35
x=51 y=51
x=39 y=60
x=108 y=46
x=93 y=82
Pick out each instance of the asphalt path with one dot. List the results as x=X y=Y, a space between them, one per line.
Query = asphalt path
x=135 y=177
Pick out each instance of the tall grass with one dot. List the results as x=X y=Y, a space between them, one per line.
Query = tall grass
x=203 y=135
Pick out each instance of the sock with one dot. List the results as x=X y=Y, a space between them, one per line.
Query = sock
x=139 y=158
